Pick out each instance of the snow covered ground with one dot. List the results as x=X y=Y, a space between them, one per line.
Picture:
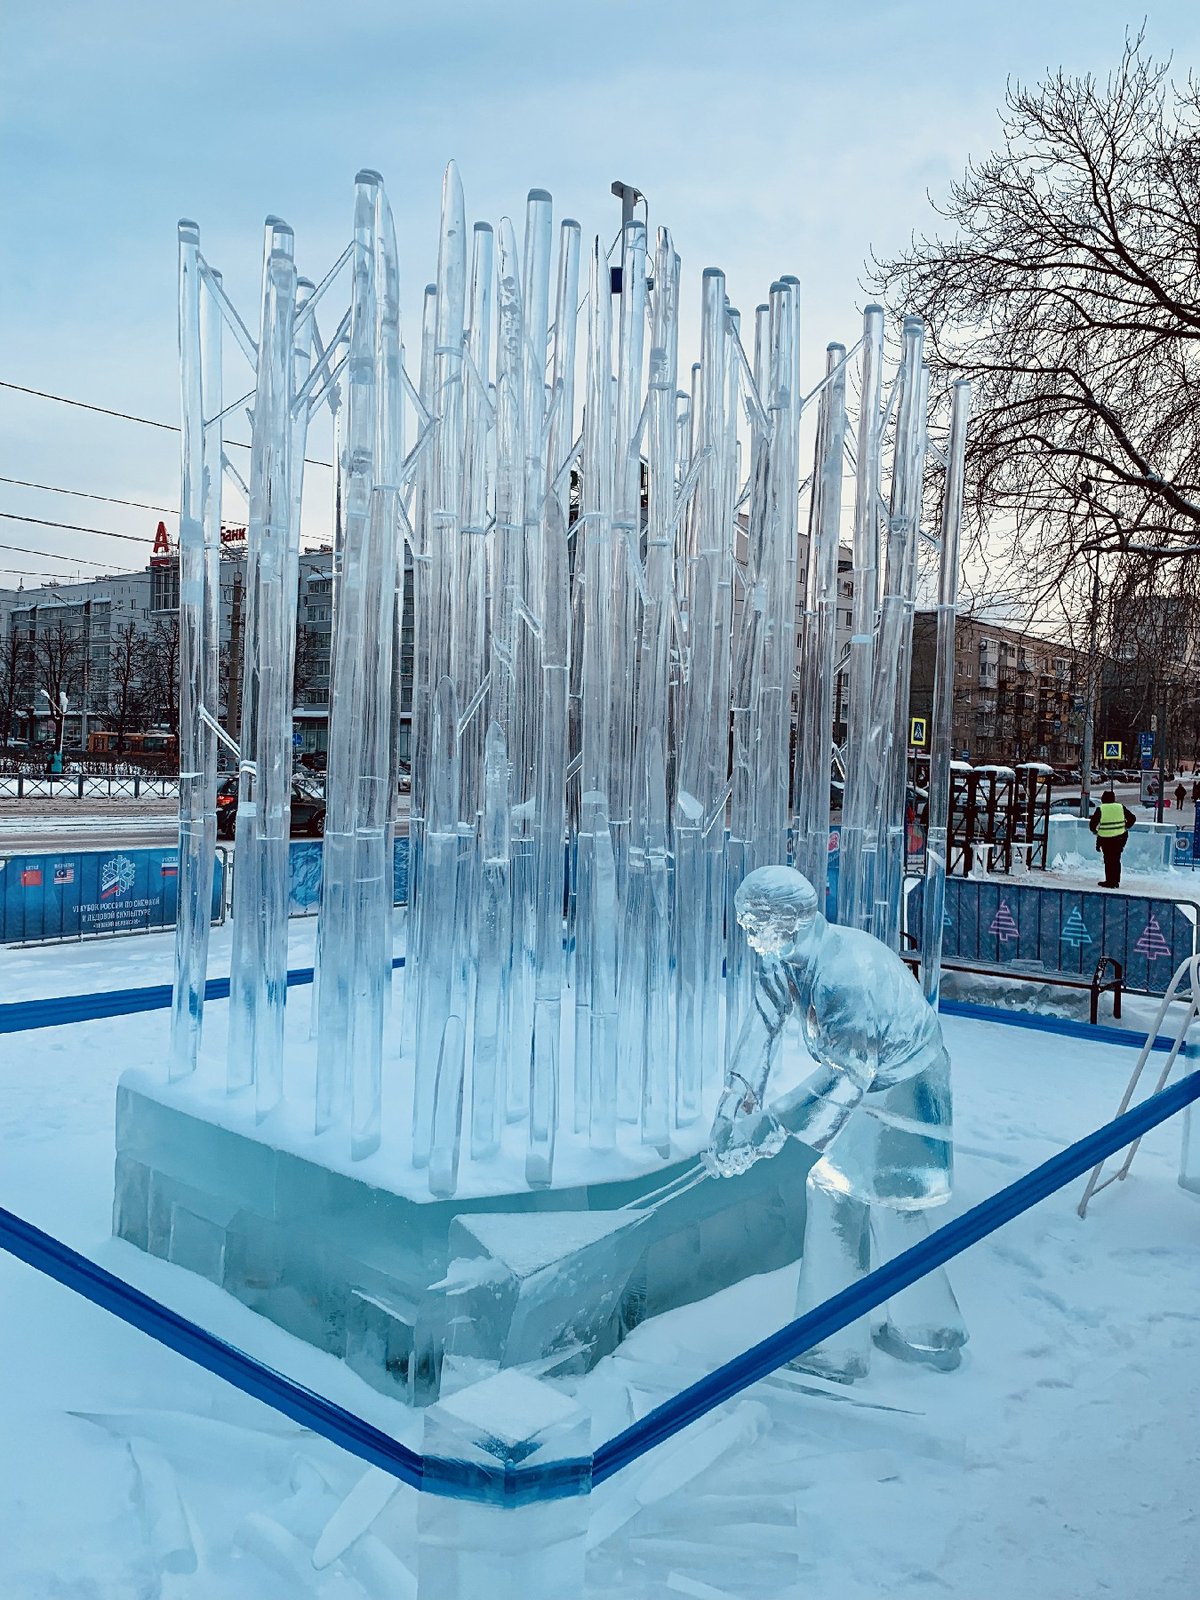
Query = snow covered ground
x=1058 y=1463
x=86 y=966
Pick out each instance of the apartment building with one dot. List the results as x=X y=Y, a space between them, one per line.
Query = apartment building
x=1017 y=696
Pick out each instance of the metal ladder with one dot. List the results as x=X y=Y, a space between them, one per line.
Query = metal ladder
x=1186 y=979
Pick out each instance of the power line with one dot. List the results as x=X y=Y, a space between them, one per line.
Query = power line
x=74 y=527
x=128 y=416
x=82 y=494
x=57 y=555
x=84 y=405
x=36 y=572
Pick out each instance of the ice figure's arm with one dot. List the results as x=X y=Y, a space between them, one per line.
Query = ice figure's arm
x=742 y=1129
x=758 y=1041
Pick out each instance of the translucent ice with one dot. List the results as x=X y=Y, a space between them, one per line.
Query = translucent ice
x=876 y=1109
x=577 y=613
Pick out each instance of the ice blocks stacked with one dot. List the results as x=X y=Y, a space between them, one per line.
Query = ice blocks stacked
x=401 y=1287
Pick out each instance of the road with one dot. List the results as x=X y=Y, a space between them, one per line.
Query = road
x=40 y=825
x=32 y=825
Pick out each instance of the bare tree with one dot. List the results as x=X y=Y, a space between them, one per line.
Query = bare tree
x=1069 y=291
x=13 y=673
x=162 y=649
x=129 y=685
x=59 y=661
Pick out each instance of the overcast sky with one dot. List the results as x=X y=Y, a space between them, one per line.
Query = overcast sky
x=771 y=137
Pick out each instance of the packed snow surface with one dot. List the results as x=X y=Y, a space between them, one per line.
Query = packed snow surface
x=1058 y=1463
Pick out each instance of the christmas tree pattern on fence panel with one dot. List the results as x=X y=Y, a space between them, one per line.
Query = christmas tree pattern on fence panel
x=1075 y=931
x=1003 y=924
x=1152 y=944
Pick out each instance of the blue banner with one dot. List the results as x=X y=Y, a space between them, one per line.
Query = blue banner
x=304 y=895
x=1031 y=930
x=70 y=894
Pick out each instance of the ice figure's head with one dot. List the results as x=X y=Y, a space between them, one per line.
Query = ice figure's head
x=774 y=905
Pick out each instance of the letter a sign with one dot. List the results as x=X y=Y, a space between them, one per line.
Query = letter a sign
x=918 y=733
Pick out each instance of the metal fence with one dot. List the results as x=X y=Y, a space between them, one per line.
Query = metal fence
x=1024 y=930
x=87 y=786
x=79 y=894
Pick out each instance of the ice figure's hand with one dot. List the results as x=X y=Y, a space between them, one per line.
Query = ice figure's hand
x=742 y=1133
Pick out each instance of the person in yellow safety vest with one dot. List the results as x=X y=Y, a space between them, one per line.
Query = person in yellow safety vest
x=1111 y=822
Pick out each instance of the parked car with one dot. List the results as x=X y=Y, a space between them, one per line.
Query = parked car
x=308 y=810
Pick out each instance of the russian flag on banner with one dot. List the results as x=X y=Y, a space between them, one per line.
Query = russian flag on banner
x=64 y=872
x=31 y=878
x=169 y=869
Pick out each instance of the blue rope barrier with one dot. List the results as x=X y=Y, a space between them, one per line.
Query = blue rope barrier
x=204 y=1349
x=516 y=1485
x=57 y=1011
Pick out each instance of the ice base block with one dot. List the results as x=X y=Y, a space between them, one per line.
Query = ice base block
x=408 y=1289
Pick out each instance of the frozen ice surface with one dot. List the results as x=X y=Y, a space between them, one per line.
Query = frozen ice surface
x=1010 y=1478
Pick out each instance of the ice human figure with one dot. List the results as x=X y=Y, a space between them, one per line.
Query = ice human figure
x=876 y=1110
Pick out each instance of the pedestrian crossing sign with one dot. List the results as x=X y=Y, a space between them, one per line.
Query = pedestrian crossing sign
x=1112 y=749
x=918 y=732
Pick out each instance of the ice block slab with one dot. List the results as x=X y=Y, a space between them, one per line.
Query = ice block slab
x=131 y=1200
x=421 y=1296
x=555 y=1283
x=478 y=1443
x=199 y=1235
x=394 y=1335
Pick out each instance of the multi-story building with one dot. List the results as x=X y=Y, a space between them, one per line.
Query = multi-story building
x=71 y=636
x=66 y=638
x=1017 y=696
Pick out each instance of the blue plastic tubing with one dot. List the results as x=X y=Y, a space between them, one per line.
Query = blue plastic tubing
x=555 y=1481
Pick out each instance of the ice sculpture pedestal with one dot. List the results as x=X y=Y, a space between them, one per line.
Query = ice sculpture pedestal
x=358 y=1259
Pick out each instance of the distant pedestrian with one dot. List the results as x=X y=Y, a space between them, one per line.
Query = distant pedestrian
x=1111 y=822
x=1180 y=796
x=1196 y=793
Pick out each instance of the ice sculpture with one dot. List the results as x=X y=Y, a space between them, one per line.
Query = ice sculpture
x=876 y=1111
x=620 y=636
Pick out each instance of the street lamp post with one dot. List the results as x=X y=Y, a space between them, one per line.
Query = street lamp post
x=56 y=764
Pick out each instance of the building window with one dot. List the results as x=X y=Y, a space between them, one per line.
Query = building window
x=164 y=586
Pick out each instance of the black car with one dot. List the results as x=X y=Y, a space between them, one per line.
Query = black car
x=308 y=810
